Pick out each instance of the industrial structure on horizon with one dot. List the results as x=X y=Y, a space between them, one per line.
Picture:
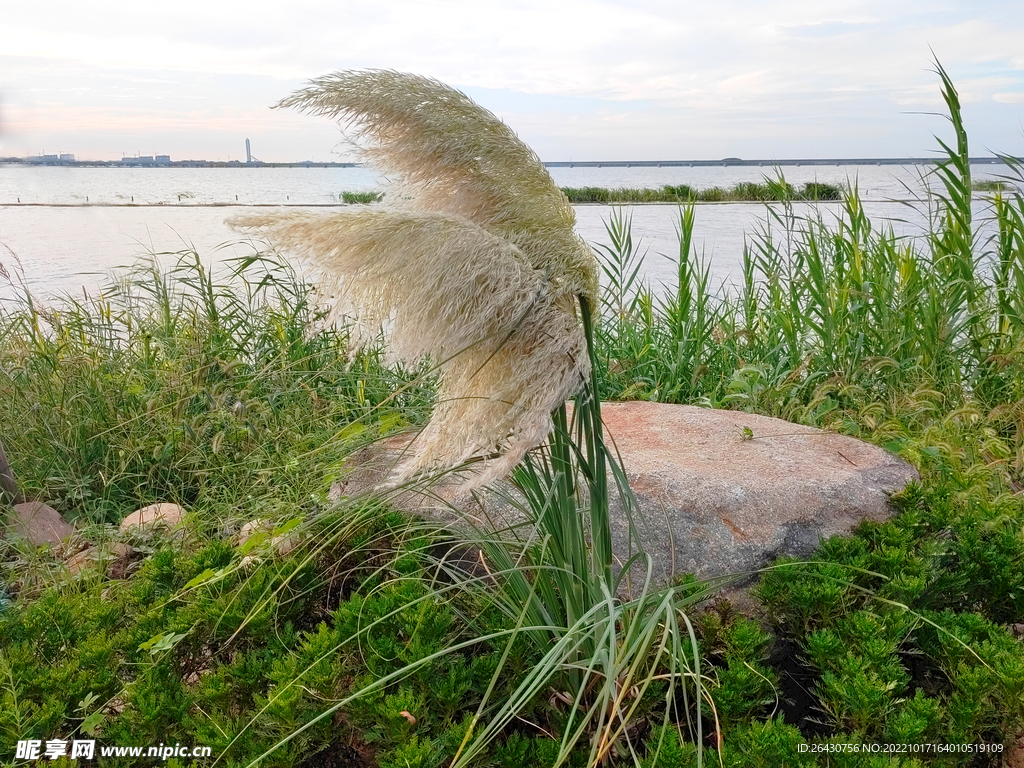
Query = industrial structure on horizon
x=148 y=161
x=66 y=158
x=44 y=159
x=249 y=159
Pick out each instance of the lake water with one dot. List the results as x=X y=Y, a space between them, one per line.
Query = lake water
x=68 y=228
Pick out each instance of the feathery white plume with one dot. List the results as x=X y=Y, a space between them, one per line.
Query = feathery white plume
x=472 y=261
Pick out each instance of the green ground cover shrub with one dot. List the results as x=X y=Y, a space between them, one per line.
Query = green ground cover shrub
x=242 y=661
x=947 y=670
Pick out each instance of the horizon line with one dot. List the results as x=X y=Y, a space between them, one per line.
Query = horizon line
x=151 y=162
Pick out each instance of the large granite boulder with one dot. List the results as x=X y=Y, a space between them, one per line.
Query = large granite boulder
x=736 y=490
x=718 y=492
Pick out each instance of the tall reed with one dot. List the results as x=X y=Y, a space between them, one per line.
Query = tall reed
x=841 y=302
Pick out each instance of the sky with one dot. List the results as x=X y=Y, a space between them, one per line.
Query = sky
x=576 y=79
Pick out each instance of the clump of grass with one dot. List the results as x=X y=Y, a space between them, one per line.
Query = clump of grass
x=819 y=190
x=842 y=303
x=175 y=385
x=713 y=195
x=588 y=194
x=991 y=185
x=352 y=198
x=606 y=196
x=681 y=192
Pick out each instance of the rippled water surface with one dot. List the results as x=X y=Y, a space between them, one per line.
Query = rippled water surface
x=69 y=227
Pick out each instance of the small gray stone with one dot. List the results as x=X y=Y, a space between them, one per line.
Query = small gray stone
x=81 y=561
x=283 y=544
x=251 y=528
x=39 y=524
x=113 y=559
x=155 y=515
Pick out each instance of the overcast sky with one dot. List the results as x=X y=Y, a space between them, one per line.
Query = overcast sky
x=575 y=79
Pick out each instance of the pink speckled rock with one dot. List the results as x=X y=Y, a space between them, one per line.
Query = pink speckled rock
x=162 y=514
x=719 y=492
x=736 y=490
x=39 y=524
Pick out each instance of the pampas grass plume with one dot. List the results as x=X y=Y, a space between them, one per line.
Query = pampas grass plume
x=471 y=262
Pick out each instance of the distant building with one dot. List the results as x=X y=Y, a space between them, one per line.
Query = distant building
x=63 y=157
x=144 y=160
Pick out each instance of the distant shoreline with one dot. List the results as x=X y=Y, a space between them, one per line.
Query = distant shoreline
x=726 y=162
x=575 y=204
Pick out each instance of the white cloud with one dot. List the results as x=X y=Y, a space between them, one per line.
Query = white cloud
x=655 y=69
